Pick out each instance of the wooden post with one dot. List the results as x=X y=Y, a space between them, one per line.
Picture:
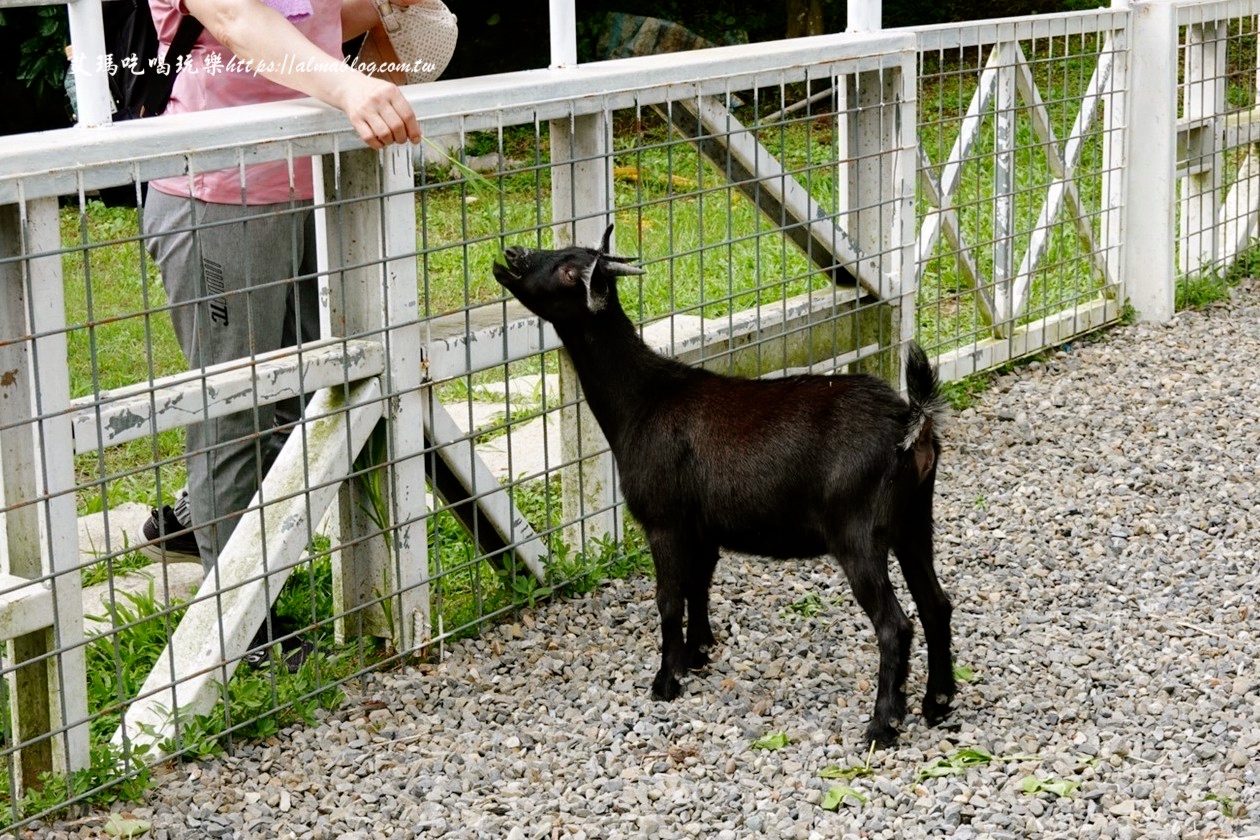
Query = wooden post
x=1115 y=134
x=37 y=481
x=1203 y=103
x=581 y=198
x=1004 y=193
x=368 y=235
x=1148 y=228
x=93 y=103
x=876 y=175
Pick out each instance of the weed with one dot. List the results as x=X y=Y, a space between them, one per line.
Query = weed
x=369 y=469
x=112 y=567
x=107 y=778
x=1228 y=806
x=963 y=393
x=1201 y=291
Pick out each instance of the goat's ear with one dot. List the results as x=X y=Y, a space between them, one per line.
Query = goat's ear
x=573 y=272
x=598 y=283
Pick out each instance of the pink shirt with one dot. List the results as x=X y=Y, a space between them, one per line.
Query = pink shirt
x=213 y=78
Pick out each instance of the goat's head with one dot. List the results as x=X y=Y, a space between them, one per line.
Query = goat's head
x=565 y=285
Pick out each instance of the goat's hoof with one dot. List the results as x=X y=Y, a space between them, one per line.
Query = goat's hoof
x=881 y=735
x=936 y=707
x=666 y=687
x=698 y=660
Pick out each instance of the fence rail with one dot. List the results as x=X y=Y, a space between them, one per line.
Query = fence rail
x=806 y=205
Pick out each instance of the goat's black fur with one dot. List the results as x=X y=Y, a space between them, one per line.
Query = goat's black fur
x=792 y=467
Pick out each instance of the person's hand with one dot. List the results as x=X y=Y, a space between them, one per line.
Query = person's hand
x=378 y=111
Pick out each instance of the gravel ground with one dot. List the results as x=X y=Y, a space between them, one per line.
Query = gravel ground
x=1098 y=521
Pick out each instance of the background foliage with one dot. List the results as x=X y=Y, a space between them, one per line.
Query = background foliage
x=494 y=38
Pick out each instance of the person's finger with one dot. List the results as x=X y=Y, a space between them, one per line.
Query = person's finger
x=371 y=129
x=400 y=120
x=407 y=127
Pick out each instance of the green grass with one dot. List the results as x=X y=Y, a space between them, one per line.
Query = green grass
x=1210 y=287
x=112 y=567
x=1201 y=291
x=258 y=702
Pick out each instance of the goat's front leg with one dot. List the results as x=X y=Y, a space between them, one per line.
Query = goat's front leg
x=669 y=556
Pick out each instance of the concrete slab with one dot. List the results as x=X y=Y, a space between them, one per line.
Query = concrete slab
x=168 y=582
x=523 y=450
x=114 y=533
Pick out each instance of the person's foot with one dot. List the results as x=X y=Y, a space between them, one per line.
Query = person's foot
x=293 y=651
x=166 y=538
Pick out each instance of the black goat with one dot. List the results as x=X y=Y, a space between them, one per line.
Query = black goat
x=792 y=467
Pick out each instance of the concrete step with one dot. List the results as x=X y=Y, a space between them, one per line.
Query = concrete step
x=103 y=535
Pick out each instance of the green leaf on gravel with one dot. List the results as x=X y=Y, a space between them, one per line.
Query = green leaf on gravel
x=955 y=764
x=120 y=826
x=1059 y=787
x=964 y=674
x=834 y=772
x=836 y=796
x=773 y=741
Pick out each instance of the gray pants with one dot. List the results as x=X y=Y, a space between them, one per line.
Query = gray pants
x=241 y=281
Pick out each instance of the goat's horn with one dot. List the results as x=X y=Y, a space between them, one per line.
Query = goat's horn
x=620 y=269
x=603 y=247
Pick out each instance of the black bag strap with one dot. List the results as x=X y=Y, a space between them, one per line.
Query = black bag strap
x=159 y=93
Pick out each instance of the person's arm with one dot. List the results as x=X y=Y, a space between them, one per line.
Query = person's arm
x=358 y=16
x=259 y=34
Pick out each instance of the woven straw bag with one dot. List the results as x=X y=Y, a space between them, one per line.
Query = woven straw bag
x=411 y=44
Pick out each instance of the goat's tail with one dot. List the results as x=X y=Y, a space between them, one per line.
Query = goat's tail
x=928 y=410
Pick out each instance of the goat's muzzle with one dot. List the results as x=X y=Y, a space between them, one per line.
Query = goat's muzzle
x=513 y=257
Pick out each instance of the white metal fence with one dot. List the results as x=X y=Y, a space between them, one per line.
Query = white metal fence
x=993 y=188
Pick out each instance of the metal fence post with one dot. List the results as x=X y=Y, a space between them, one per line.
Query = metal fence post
x=1148 y=229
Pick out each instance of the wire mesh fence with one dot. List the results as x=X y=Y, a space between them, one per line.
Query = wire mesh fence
x=1019 y=148
x=347 y=543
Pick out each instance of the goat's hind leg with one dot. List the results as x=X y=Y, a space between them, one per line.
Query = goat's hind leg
x=698 y=578
x=913 y=548
x=865 y=564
